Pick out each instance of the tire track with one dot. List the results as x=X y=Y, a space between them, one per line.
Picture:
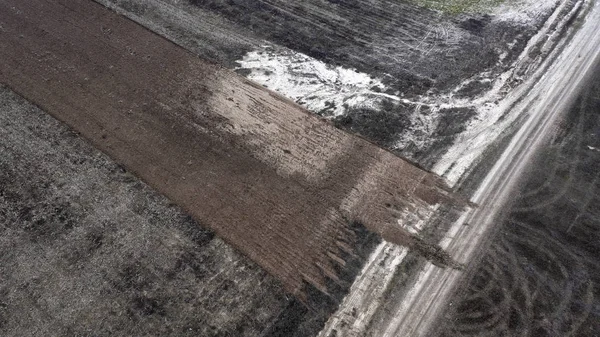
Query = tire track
x=552 y=278
x=547 y=99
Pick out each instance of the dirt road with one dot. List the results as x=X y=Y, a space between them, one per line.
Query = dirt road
x=546 y=101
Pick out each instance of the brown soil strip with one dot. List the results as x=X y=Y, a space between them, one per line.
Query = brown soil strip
x=271 y=179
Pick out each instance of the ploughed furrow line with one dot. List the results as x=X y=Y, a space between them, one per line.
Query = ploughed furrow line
x=282 y=186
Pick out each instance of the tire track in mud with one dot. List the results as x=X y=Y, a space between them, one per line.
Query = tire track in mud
x=552 y=96
x=517 y=298
x=566 y=148
x=541 y=273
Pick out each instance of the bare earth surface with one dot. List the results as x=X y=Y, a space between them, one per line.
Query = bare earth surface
x=285 y=188
x=88 y=250
x=294 y=206
x=421 y=62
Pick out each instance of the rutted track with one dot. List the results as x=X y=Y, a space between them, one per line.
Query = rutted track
x=540 y=275
x=550 y=97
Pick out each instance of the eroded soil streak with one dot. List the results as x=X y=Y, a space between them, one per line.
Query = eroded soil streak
x=277 y=183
